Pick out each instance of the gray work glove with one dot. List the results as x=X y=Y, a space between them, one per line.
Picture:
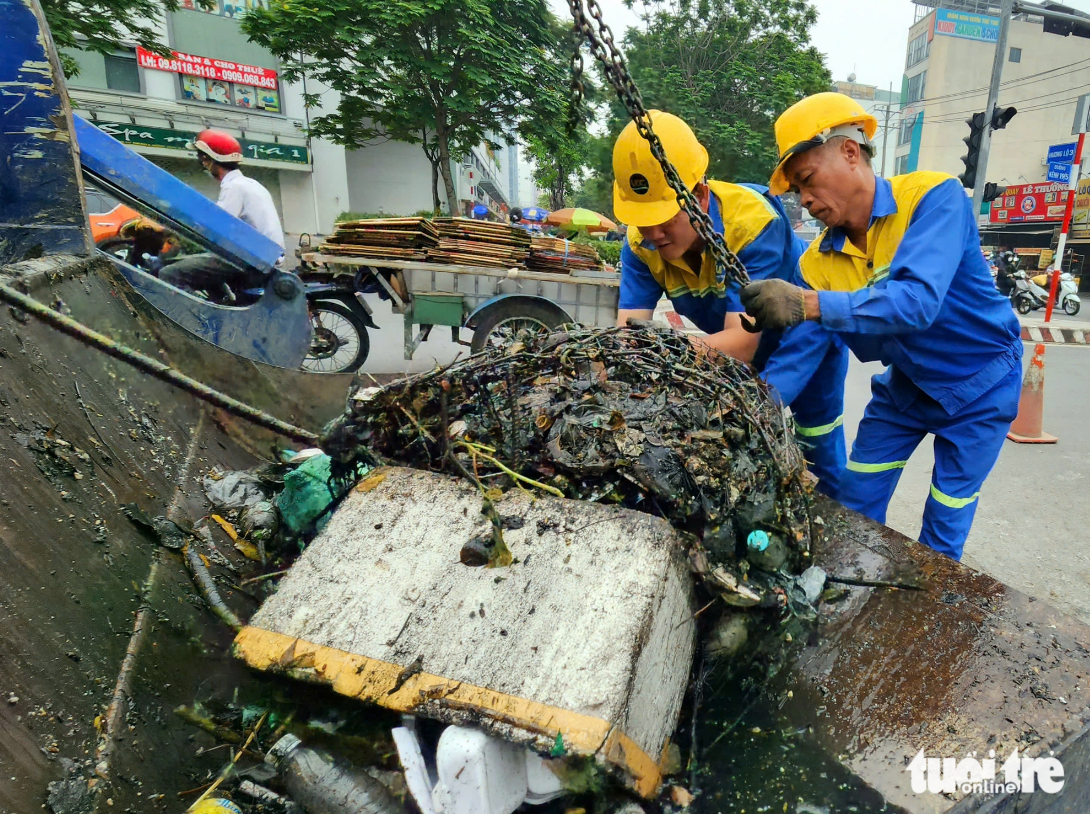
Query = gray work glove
x=774 y=303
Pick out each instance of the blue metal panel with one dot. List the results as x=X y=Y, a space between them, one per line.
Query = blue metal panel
x=41 y=205
x=122 y=169
x=274 y=330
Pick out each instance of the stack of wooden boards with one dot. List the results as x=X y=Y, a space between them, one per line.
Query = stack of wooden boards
x=458 y=241
x=559 y=256
x=384 y=239
x=468 y=242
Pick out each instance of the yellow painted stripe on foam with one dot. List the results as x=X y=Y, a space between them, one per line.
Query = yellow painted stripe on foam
x=952 y=502
x=855 y=466
x=824 y=429
x=373 y=681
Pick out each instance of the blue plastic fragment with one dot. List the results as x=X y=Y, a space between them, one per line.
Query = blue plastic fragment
x=757 y=540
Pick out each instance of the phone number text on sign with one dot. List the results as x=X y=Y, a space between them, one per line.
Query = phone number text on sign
x=208 y=68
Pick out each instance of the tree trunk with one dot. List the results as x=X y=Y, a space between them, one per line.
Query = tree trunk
x=444 y=169
x=434 y=185
x=433 y=159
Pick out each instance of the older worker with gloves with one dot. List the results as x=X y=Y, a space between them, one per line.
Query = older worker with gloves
x=664 y=255
x=899 y=275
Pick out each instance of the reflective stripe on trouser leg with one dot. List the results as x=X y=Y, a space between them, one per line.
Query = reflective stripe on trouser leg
x=825 y=450
x=947 y=520
x=867 y=487
x=886 y=439
x=966 y=449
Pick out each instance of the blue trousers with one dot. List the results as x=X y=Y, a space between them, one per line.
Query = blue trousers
x=967 y=445
x=816 y=396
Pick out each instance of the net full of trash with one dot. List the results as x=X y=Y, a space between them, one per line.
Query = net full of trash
x=631 y=416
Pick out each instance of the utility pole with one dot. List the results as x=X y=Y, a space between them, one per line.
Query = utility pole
x=1006 y=7
x=885 y=129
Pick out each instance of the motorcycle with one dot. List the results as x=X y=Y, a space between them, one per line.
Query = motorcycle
x=339 y=316
x=1027 y=296
x=1067 y=297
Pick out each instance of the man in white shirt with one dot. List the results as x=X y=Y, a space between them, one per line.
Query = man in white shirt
x=245 y=198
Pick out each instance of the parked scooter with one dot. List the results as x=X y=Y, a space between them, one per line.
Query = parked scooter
x=1067 y=297
x=339 y=317
x=1027 y=296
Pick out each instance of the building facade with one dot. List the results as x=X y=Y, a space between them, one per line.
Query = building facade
x=885 y=106
x=217 y=78
x=948 y=66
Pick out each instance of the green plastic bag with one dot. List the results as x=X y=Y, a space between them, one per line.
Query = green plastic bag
x=304 y=503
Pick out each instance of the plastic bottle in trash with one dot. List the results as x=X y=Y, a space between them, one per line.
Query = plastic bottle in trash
x=323 y=785
x=766 y=551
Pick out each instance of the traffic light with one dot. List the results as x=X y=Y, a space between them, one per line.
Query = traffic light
x=993 y=191
x=1002 y=115
x=972 y=141
x=1065 y=27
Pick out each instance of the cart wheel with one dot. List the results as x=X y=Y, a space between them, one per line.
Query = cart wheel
x=1071 y=306
x=498 y=327
x=340 y=343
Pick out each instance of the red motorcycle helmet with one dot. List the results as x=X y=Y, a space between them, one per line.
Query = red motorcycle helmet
x=219 y=146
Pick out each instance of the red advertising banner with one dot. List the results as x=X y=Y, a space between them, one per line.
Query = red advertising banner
x=1030 y=203
x=219 y=69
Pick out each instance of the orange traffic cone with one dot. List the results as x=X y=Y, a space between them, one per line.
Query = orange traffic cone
x=1026 y=428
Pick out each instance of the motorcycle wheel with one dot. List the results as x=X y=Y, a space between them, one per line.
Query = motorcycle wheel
x=1023 y=306
x=1071 y=306
x=340 y=343
x=119 y=247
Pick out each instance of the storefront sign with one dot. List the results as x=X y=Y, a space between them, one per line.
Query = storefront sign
x=1030 y=203
x=967 y=26
x=208 y=68
x=179 y=140
x=1080 y=213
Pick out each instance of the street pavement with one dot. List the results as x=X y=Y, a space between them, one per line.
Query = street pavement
x=1032 y=525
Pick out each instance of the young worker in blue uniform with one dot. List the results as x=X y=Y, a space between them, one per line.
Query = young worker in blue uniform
x=664 y=255
x=899 y=275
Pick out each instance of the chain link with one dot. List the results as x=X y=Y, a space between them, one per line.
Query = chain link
x=605 y=50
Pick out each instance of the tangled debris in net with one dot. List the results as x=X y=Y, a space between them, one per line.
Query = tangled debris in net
x=631 y=416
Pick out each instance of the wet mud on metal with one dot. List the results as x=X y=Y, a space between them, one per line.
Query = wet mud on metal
x=828 y=720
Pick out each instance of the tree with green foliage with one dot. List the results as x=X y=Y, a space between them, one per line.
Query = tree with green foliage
x=98 y=25
x=444 y=74
x=728 y=68
x=555 y=131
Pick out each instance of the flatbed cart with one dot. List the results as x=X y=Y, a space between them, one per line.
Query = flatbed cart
x=492 y=302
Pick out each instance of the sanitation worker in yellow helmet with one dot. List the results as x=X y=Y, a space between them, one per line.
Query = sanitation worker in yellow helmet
x=663 y=255
x=899 y=275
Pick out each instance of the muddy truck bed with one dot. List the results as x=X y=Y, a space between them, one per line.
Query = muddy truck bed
x=103 y=635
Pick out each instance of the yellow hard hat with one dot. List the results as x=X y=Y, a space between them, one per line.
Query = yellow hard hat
x=641 y=196
x=815 y=120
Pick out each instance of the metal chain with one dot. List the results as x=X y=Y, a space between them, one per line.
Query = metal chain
x=605 y=50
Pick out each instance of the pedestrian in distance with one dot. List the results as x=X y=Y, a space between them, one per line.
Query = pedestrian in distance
x=898 y=273
x=663 y=254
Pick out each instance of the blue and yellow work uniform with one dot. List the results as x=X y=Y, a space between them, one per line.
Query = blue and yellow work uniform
x=805 y=365
x=921 y=300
